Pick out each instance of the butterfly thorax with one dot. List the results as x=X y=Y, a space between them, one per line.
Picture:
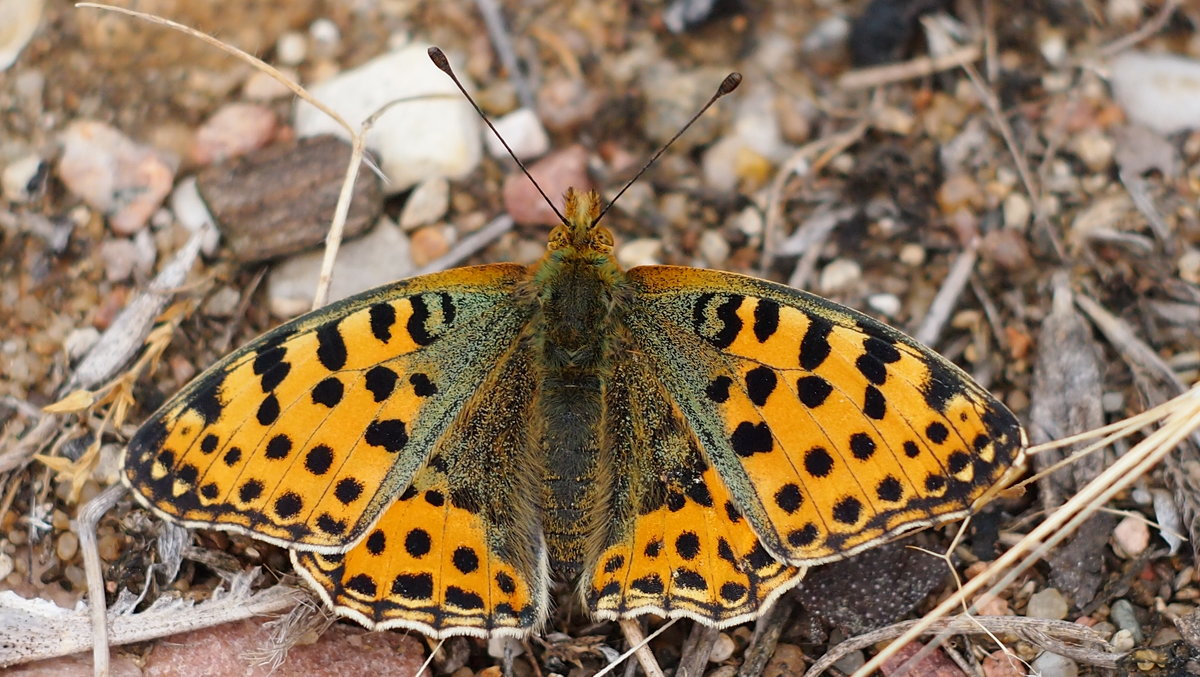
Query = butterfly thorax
x=581 y=294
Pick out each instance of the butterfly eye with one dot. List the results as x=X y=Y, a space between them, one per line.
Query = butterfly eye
x=558 y=238
x=602 y=238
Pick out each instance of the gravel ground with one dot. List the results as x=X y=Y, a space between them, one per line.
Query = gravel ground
x=1027 y=206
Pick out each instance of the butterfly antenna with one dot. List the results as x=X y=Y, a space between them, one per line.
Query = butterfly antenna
x=439 y=59
x=729 y=84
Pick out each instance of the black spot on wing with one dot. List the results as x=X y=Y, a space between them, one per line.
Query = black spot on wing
x=331 y=348
x=328 y=392
x=391 y=434
x=766 y=319
x=751 y=438
x=413 y=586
x=382 y=317
x=760 y=383
x=381 y=381
x=942 y=385
x=207 y=400
x=814 y=347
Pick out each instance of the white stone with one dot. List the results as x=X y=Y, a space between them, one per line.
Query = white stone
x=524 y=133
x=1131 y=536
x=640 y=252
x=191 y=213
x=20 y=20
x=1017 y=211
x=1160 y=91
x=325 y=32
x=426 y=204
x=18 y=174
x=376 y=258
x=884 y=304
x=1189 y=265
x=415 y=139
x=1053 y=665
x=1048 y=603
x=714 y=247
x=839 y=275
x=291 y=49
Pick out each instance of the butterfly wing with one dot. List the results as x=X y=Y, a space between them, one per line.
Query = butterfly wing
x=305 y=435
x=461 y=551
x=675 y=543
x=832 y=431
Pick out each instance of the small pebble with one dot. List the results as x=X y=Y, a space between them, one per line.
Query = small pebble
x=1131 y=536
x=912 y=255
x=21 y=19
x=120 y=257
x=524 y=133
x=6 y=565
x=1095 y=148
x=839 y=275
x=223 y=302
x=326 y=37
x=1048 y=603
x=1160 y=91
x=1189 y=265
x=114 y=175
x=959 y=191
x=1053 y=665
x=67 y=546
x=1017 y=211
x=640 y=252
x=21 y=177
x=722 y=649
x=234 y=130
x=192 y=213
x=1123 y=640
x=884 y=304
x=428 y=243
x=1002 y=663
x=426 y=204
x=291 y=49
x=788 y=660
x=1122 y=614
x=714 y=247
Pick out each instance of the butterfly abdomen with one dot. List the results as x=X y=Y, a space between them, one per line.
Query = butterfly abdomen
x=580 y=295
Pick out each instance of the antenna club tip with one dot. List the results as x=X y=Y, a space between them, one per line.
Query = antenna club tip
x=438 y=57
x=730 y=83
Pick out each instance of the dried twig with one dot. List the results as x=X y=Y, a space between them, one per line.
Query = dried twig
x=947 y=297
x=922 y=66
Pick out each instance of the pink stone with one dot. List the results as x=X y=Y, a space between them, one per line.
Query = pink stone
x=235 y=129
x=556 y=173
x=125 y=180
x=341 y=650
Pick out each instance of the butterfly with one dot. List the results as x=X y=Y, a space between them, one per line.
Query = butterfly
x=680 y=442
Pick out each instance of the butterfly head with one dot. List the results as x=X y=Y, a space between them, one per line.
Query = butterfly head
x=580 y=234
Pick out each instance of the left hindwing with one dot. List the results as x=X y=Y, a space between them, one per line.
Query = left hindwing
x=832 y=431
